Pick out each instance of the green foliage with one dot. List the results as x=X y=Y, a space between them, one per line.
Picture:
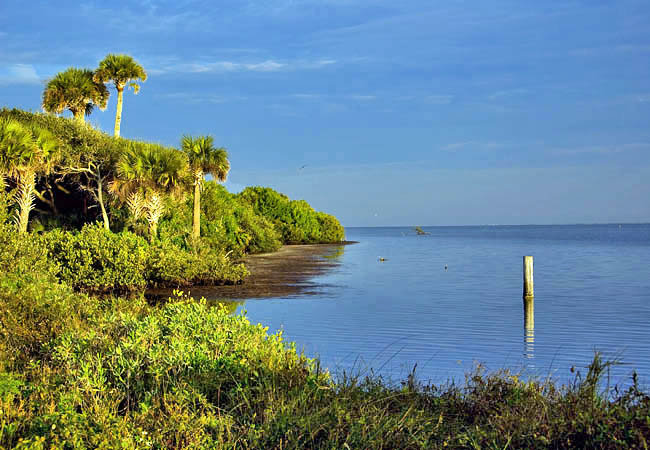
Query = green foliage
x=295 y=220
x=75 y=90
x=98 y=260
x=170 y=265
x=121 y=70
x=187 y=375
x=234 y=223
x=205 y=158
x=34 y=306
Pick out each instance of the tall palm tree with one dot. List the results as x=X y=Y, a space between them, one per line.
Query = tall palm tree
x=122 y=70
x=75 y=90
x=204 y=158
x=146 y=172
x=25 y=152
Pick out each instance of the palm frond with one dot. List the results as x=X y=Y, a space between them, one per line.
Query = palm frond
x=205 y=157
x=76 y=90
x=121 y=70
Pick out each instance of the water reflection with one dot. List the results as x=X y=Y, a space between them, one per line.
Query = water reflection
x=529 y=332
x=336 y=253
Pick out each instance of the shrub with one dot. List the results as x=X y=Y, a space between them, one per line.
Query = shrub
x=99 y=260
x=34 y=306
x=170 y=265
x=295 y=220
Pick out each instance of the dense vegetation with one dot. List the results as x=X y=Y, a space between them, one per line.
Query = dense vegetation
x=146 y=197
x=78 y=371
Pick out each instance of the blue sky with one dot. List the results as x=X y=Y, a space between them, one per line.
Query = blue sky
x=404 y=113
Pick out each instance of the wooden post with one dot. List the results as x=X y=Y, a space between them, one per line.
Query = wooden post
x=528 y=277
x=529 y=294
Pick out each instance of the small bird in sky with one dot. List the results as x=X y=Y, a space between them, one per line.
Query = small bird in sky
x=445 y=267
x=302 y=167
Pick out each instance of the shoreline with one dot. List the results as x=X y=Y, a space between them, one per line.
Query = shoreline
x=285 y=273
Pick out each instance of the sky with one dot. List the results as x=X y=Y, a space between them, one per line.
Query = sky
x=415 y=112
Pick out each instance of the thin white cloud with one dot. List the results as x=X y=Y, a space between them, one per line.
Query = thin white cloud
x=602 y=149
x=508 y=93
x=472 y=145
x=19 y=74
x=307 y=96
x=193 y=98
x=363 y=98
x=268 y=65
x=439 y=99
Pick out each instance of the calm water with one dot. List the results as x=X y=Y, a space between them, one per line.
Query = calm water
x=592 y=292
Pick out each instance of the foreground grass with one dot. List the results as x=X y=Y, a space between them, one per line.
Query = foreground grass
x=187 y=375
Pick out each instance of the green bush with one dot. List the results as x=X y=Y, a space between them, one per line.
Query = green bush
x=34 y=306
x=295 y=220
x=170 y=265
x=227 y=224
x=99 y=260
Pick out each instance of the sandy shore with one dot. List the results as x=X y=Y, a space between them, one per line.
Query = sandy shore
x=287 y=272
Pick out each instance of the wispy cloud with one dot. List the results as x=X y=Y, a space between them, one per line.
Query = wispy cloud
x=306 y=96
x=508 y=93
x=268 y=65
x=19 y=74
x=363 y=98
x=193 y=98
x=439 y=99
x=602 y=149
x=472 y=145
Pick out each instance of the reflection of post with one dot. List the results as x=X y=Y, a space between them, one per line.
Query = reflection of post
x=529 y=309
x=529 y=313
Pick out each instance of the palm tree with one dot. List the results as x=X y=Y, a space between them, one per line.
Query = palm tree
x=75 y=90
x=146 y=172
x=122 y=70
x=204 y=158
x=25 y=152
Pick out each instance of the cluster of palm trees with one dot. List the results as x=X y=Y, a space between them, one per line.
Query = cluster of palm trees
x=81 y=90
x=139 y=174
x=146 y=173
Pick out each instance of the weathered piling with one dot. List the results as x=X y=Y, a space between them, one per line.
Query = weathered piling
x=529 y=294
x=529 y=290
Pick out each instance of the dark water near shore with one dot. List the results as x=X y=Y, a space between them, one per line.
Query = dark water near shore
x=592 y=292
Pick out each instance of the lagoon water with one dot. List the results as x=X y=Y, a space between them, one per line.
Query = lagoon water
x=592 y=292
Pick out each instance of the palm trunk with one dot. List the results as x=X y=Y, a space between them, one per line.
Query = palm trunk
x=25 y=199
x=100 y=200
x=155 y=210
x=196 y=222
x=118 y=114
